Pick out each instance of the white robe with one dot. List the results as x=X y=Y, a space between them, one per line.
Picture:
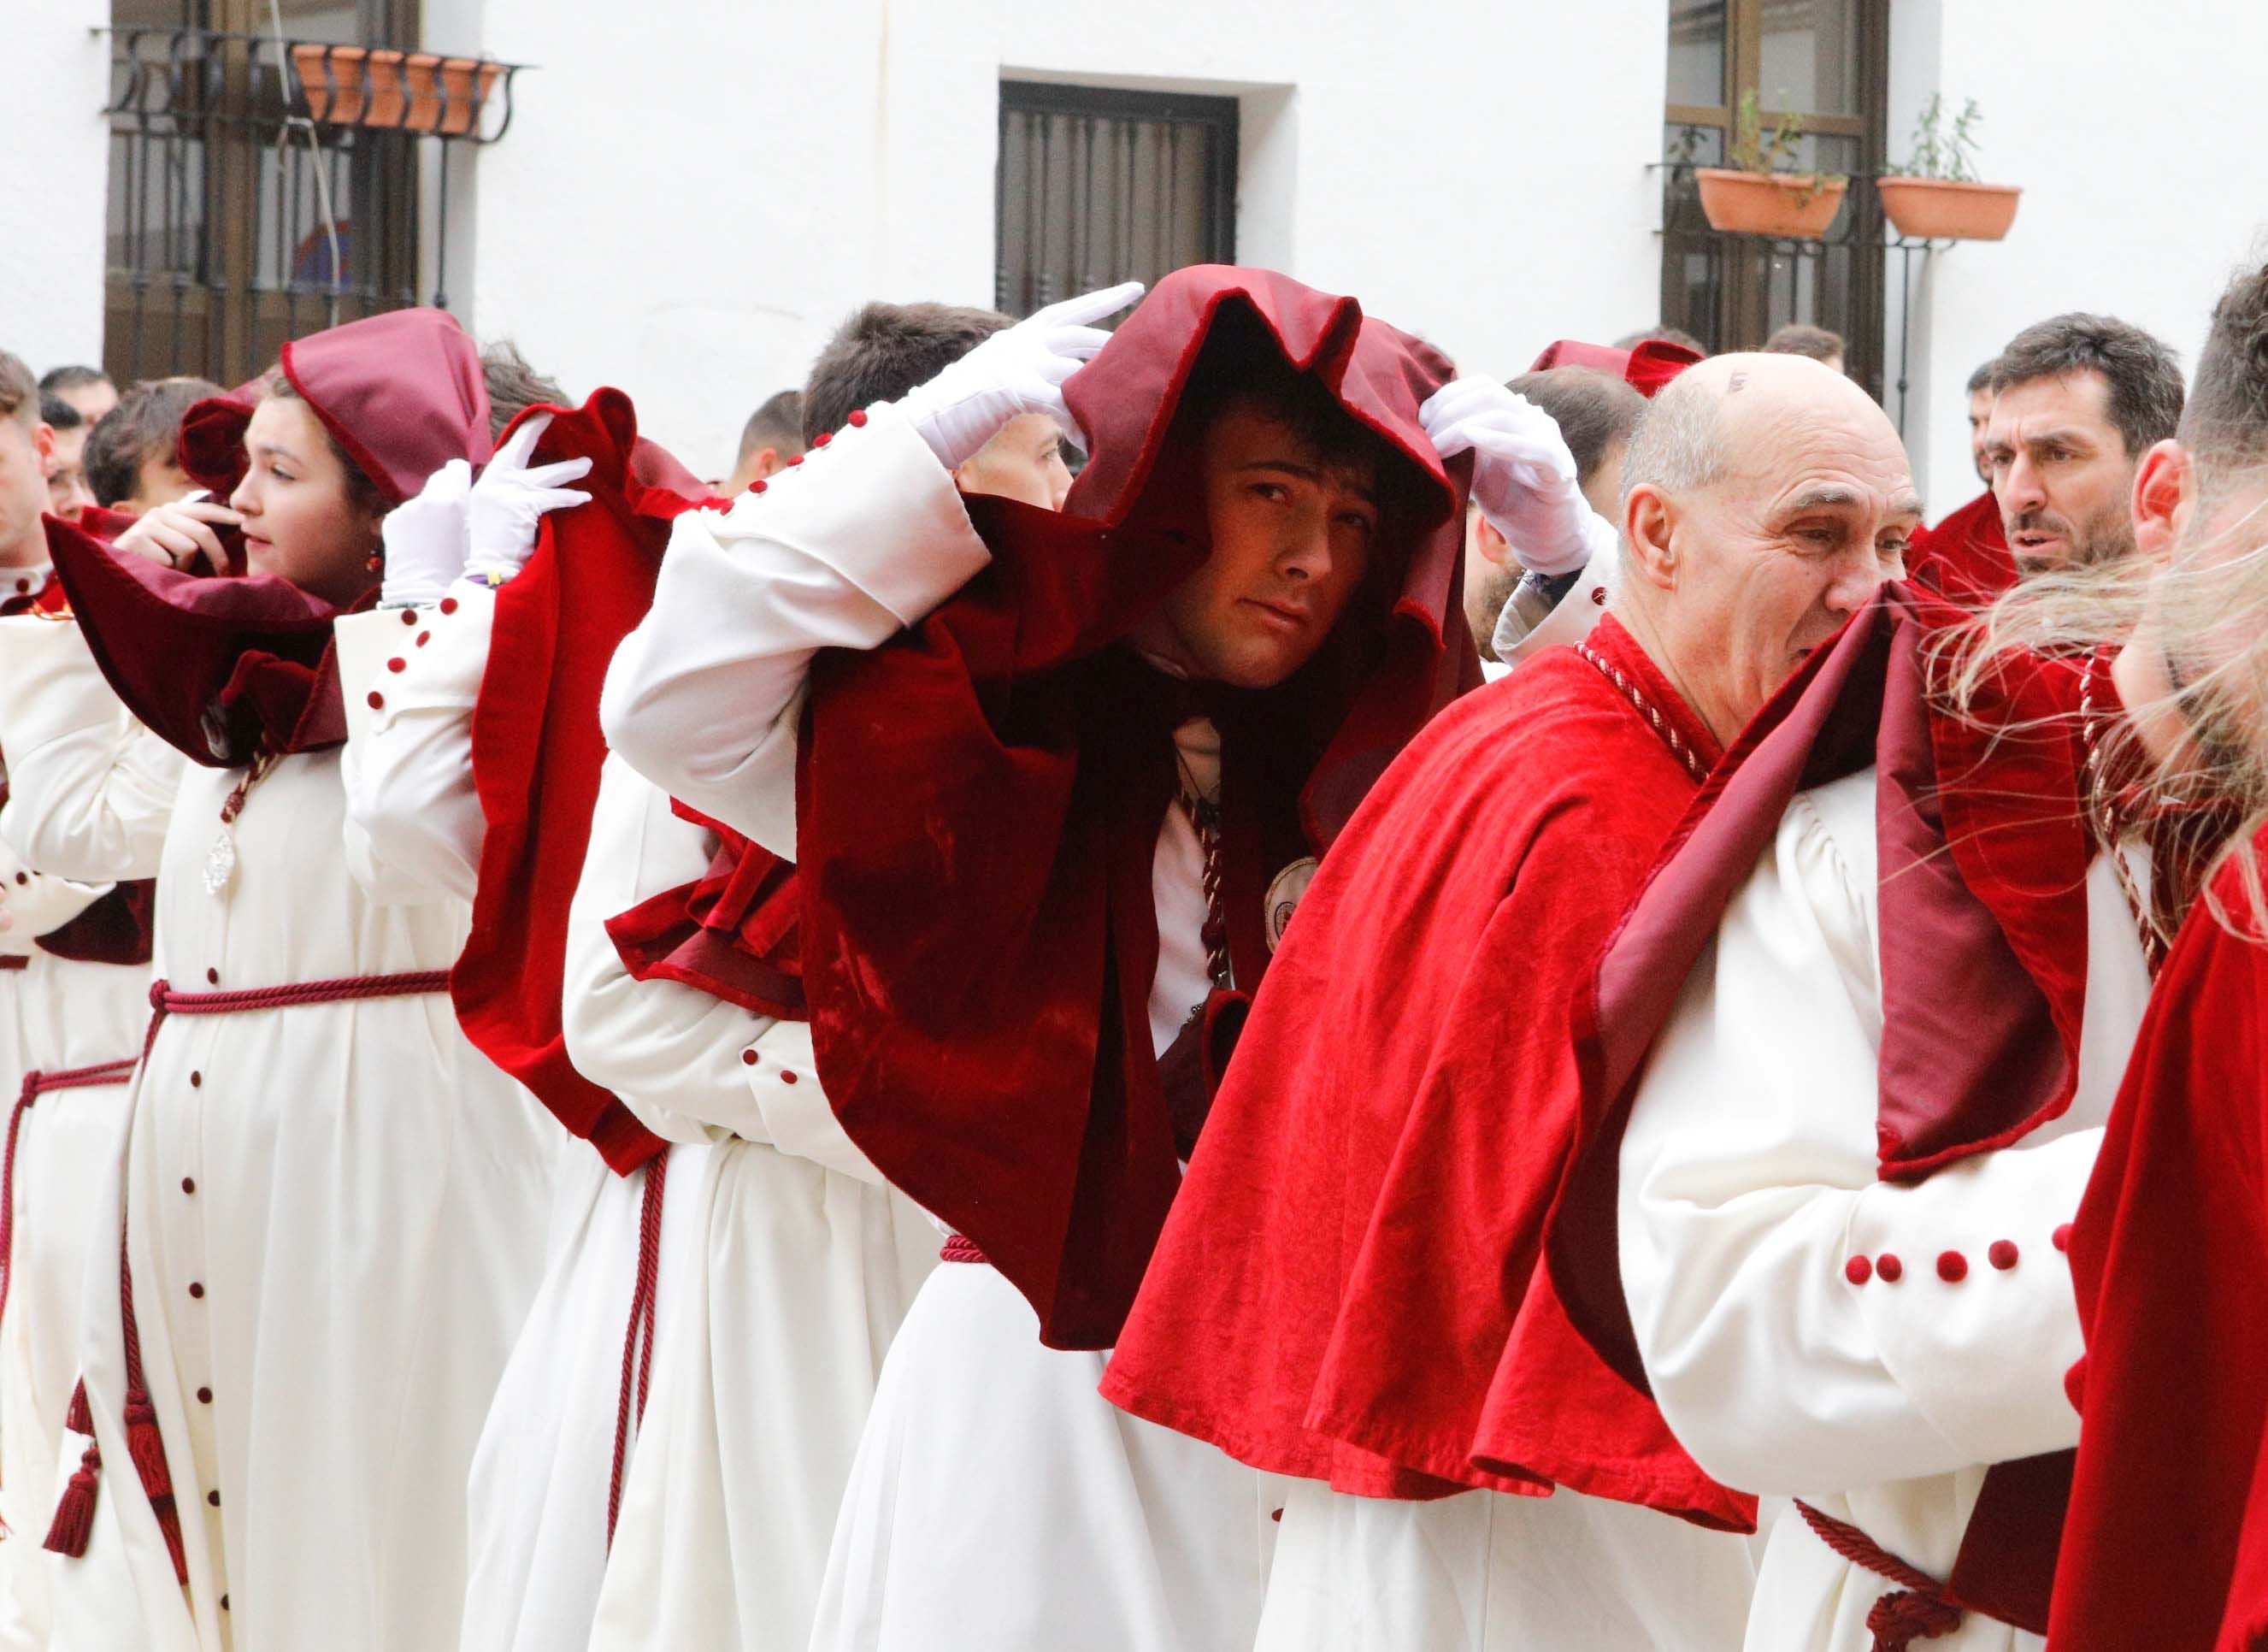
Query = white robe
x=334 y=1214
x=997 y=1501
x=797 y=1265
x=1749 y=1181
x=57 y=1014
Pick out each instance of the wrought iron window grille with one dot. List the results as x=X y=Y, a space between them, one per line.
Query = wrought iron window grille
x=264 y=187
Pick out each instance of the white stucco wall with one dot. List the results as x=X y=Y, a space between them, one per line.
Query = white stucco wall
x=54 y=81
x=2145 y=179
x=694 y=191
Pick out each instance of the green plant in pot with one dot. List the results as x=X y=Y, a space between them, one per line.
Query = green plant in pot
x=1762 y=193
x=1936 y=195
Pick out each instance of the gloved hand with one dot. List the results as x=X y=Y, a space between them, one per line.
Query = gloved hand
x=1523 y=475
x=1020 y=369
x=512 y=498
x=425 y=539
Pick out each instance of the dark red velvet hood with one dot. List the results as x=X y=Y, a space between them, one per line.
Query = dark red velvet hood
x=1645 y=369
x=402 y=392
x=1984 y=851
x=1965 y=558
x=977 y=953
x=537 y=752
x=223 y=666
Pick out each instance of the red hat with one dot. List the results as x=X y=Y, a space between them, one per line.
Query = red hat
x=1645 y=369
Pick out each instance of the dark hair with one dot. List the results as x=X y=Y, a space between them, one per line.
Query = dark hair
x=1667 y=334
x=779 y=423
x=1801 y=338
x=59 y=413
x=1982 y=379
x=145 y=425
x=363 y=494
x=513 y=385
x=2144 y=379
x=71 y=377
x=19 y=394
x=884 y=350
x=2226 y=423
x=1595 y=411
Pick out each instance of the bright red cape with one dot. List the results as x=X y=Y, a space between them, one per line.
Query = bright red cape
x=1328 y=1299
x=537 y=752
x=978 y=951
x=2169 y=1506
x=1965 y=558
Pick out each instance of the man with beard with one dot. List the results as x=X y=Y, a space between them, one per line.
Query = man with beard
x=2078 y=399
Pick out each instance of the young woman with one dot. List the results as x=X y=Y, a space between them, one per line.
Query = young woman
x=330 y=1205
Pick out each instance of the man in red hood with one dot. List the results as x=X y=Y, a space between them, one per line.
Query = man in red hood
x=1331 y=1297
x=1061 y=780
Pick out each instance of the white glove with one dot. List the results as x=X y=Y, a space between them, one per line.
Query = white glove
x=1523 y=475
x=1020 y=369
x=510 y=498
x=425 y=539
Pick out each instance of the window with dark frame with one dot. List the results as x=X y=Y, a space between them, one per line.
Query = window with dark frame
x=1096 y=186
x=229 y=232
x=1827 y=61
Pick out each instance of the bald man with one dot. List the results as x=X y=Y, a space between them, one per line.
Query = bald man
x=1347 y=1290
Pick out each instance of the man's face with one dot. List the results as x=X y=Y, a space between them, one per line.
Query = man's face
x=25 y=452
x=1292 y=539
x=1812 y=513
x=1980 y=416
x=1023 y=460
x=158 y=480
x=68 y=493
x=93 y=401
x=300 y=522
x=2062 y=472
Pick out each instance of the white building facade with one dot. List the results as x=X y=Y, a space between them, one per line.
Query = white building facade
x=691 y=193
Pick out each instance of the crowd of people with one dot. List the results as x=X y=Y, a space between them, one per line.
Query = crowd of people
x=1168 y=980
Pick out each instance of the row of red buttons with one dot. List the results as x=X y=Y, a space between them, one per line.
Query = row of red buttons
x=1952 y=1266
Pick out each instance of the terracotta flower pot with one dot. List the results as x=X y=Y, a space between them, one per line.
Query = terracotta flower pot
x=343 y=75
x=1936 y=209
x=442 y=91
x=1797 y=205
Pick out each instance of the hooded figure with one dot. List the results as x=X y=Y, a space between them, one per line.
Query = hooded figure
x=1042 y=860
x=331 y=1204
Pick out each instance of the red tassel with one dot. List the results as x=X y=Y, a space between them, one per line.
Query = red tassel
x=74 y=1521
x=146 y=1448
x=77 y=1416
x=169 y=1526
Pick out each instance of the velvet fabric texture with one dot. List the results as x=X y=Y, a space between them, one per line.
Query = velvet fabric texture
x=1645 y=369
x=1984 y=849
x=733 y=934
x=1965 y=558
x=1332 y=1297
x=401 y=393
x=2167 y=1544
x=537 y=753
x=977 y=954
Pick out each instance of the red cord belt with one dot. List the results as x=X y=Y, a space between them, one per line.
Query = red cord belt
x=74 y=1521
x=35 y=1086
x=1916 y=1609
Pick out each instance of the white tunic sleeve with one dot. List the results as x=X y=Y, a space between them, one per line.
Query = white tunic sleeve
x=90 y=789
x=33 y=903
x=690 y=1065
x=843 y=552
x=1749 y=1190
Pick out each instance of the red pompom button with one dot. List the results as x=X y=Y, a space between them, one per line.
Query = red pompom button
x=2002 y=1254
x=796 y=461
x=448 y=605
x=205 y=1396
x=196 y=1080
x=409 y=617
x=748 y=1057
x=822 y=438
x=397 y=664
x=377 y=700
x=787 y=1078
x=424 y=638
x=2063 y=1237
x=1858 y=1270
x=1889 y=1269
x=857 y=417
x=212 y=978
x=1952 y=1266
x=759 y=486
x=197 y=1290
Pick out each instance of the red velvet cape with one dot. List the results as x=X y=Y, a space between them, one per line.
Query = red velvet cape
x=1328 y=1300
x=2167 y=1543
x=537 y=752
x=979 y=801
x=1984 y=851
x=1965 y=558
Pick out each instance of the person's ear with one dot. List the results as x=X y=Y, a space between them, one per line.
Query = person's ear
x=1492 y=547
x=2164 y=497
x=43 y=442
x=768 y=464
x=1649 y=523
